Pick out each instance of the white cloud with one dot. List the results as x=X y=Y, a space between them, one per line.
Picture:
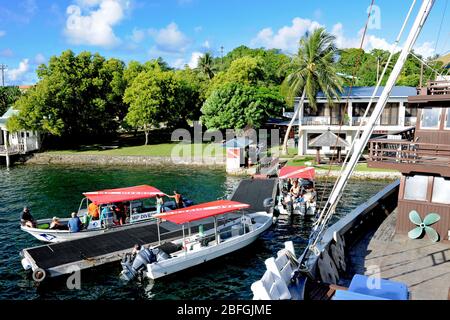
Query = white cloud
x=192 y=63
x=373 y=42
x=17 y=74
x=7 y=53
x=40 y=58
x=2 y=33
x=30 y=7
x=287 y=37
x=170 y=39
x=138 y=35
x=91 y=22
x=426 y=49
x=198 y=29
x=206 y=44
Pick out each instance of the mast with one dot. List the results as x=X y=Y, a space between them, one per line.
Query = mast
x=360 y=144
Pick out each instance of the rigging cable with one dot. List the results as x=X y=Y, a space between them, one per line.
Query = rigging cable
x=353 y=77
x=328 y=210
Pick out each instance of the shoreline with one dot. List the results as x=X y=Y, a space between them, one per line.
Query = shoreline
x=219 y=162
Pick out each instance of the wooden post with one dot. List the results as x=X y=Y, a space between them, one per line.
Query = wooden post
x=318 y=155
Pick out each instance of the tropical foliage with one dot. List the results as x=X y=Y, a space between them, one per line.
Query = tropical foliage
x=77 y=96
x=236 y=105
x=313 y=71
x=8 y=95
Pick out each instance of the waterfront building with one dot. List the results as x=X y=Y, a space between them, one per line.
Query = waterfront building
x=16 y=143
x=344 y=117
x=422 y=155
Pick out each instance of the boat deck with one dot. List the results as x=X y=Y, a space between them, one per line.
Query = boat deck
x=423 y=265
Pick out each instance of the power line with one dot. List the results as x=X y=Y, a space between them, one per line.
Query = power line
x=440 y=26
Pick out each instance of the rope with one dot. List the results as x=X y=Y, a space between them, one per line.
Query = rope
x=325 y=216
x=341 y=122
x=440 y=26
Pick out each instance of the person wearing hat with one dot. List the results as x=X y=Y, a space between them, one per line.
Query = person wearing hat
x=26 y=219
x=55 y=224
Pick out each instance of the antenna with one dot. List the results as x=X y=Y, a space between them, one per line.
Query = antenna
x=3 y=68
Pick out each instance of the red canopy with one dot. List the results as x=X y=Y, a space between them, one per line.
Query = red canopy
x=123 y=194
x=202 y=211
x=297 y=172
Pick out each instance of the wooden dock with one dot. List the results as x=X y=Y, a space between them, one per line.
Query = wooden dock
x=421 y=264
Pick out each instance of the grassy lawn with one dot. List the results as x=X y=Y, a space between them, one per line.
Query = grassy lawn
x=154 y=150
x=360 y=167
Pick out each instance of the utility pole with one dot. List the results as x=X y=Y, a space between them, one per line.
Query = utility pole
x=421 y=74
x=3 y=68
x=378 y=68
x=221 y=53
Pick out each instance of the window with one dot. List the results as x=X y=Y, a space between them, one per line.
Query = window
x=410 y=110
x=447 y=119
x=430 y=118
x=310 y=112
x=416 y=188
x=441 y=190
x=389 y=117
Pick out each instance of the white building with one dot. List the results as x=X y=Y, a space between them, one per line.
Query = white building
x=397 y=115
x=16 y=143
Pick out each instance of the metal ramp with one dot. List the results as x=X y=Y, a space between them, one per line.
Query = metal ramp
x=254 y=192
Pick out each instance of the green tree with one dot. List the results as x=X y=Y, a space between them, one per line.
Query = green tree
x=236 y=106
x=8 y=95
x=159 y=97
x=314 y=71
x=206 y=65
x=77 y=97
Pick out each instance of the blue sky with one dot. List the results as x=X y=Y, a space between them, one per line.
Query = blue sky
x=31 y=31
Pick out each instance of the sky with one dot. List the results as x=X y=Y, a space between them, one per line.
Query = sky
x=31 y=31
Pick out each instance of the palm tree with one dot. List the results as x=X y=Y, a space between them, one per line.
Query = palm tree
x=205 y=64
x=314 y=71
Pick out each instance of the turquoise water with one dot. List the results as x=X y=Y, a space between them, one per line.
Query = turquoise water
x=56 y=190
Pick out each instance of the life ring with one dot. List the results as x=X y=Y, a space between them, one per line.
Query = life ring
x=327 y=269
x=39 y=275
x=337 y=250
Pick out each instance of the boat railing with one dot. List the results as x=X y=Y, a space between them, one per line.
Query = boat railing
x=406 y=151
x=438 y=87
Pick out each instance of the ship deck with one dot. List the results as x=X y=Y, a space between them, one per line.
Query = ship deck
x=421 y=264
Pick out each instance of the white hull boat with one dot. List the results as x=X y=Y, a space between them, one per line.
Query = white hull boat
x=136 y=214
x=199 y=247
x=186 y=259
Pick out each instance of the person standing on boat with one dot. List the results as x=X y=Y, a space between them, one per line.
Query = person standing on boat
x=159 y=204
x=178 y=199
x=74 y=223
x=26 y=219
x=107 y=216
x=93 y=211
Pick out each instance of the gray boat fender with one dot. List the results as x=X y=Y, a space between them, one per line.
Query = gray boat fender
x=337 y=250
x=327 y=268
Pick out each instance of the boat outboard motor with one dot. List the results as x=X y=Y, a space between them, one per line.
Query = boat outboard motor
x=131 y=268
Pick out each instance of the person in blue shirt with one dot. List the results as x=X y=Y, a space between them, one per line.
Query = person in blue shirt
x=74 y=223
x=106 y=215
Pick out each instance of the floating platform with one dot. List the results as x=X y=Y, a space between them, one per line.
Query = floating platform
x=66 y=257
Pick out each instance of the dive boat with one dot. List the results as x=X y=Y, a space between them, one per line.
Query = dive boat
x=194 y=248
x=305 y=203
x=137 y=209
